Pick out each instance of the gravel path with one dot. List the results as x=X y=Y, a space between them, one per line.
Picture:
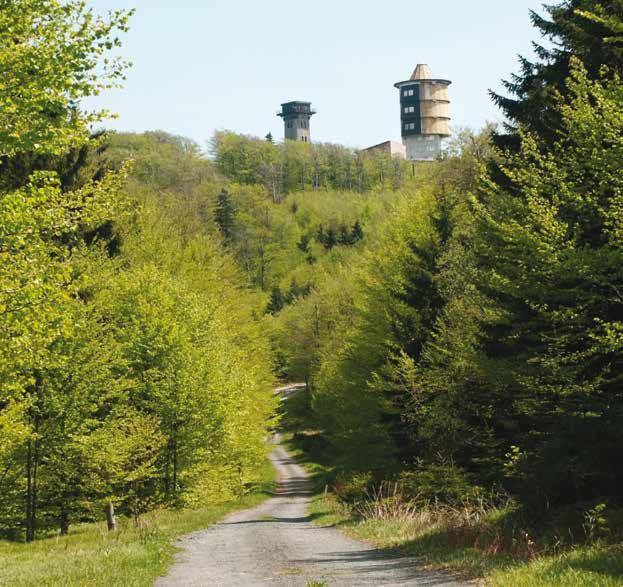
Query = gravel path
x=276 y=544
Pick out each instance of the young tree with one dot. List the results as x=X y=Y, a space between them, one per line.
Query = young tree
x=224 y=215
x=303 y=244
x=343 y=237
x=330 y=239
x=356 y=233
x=276 y=302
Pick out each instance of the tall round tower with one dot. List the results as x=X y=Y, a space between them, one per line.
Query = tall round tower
x=296 y=116
x=424 y=114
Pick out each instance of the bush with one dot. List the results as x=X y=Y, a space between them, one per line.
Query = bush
x=439 y=483
x=353 y=488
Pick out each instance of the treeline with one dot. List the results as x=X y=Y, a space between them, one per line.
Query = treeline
x=481 y=344
x=297 y=166
x=132 y=370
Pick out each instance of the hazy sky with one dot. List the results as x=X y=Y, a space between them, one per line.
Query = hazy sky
x=202 y=65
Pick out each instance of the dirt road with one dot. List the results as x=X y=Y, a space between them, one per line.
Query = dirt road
x=276 y=544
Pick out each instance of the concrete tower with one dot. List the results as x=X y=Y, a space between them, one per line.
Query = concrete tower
x=296 y=116
x=424 y=114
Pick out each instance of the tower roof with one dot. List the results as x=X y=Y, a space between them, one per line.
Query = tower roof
x=421 y=71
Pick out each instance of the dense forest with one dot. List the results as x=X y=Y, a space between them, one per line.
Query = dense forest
x=459 y=324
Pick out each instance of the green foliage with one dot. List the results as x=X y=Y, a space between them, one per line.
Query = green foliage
x=53 y=54
x=445 y=484
x=353 y=488
x=485 y=331
x=132 y=368
x=557 y=239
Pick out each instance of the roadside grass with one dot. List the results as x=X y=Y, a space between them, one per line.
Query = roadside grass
x=445 y=549
x=596 y=565
x=131 y=556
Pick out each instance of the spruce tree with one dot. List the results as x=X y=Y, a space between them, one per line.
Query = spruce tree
x=303 y=244
x=587 y=29
x=343 y=236
x=224 y=215
x=330 y=239
x=276 y=302
x=356 y=233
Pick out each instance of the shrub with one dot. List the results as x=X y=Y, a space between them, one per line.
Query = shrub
x=439 y=483
x=353 y=488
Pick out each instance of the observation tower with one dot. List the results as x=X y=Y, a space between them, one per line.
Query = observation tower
x=424 y=114
x=296 y=116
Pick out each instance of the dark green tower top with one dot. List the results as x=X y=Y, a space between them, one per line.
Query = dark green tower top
x=296 y=116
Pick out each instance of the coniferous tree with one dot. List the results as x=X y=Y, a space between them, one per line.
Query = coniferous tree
x=224 y=215
x=343 y=235
x=330 y=239
x=276 y=302
x=356 y=233
x=292 y=293
x=303 y=243
x=320 y=235
x=581 y=28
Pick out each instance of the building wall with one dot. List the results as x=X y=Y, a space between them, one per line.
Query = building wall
x=389 y=148
x=297 y=128
x=423 y=147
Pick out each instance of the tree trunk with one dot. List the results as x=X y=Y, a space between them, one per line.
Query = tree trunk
x=110 y=516
x=174 y=467
x=64 y=520
x=31 y=490
x=29 y=517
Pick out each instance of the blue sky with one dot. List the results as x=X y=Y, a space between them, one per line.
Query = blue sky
x=203 y=65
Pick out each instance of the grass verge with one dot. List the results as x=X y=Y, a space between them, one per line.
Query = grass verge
x=92 y=556
x=595 y=565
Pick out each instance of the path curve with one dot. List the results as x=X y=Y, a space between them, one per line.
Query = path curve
x=276 y=544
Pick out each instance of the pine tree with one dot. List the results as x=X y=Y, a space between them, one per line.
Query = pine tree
x=549 y=252
x=293 y=292
x=224 y=215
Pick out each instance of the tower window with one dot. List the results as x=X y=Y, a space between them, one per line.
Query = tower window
x=409 y=109
x=408 y=93
x=410 y=126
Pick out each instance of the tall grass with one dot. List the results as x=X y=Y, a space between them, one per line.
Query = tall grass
x=478 y=539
